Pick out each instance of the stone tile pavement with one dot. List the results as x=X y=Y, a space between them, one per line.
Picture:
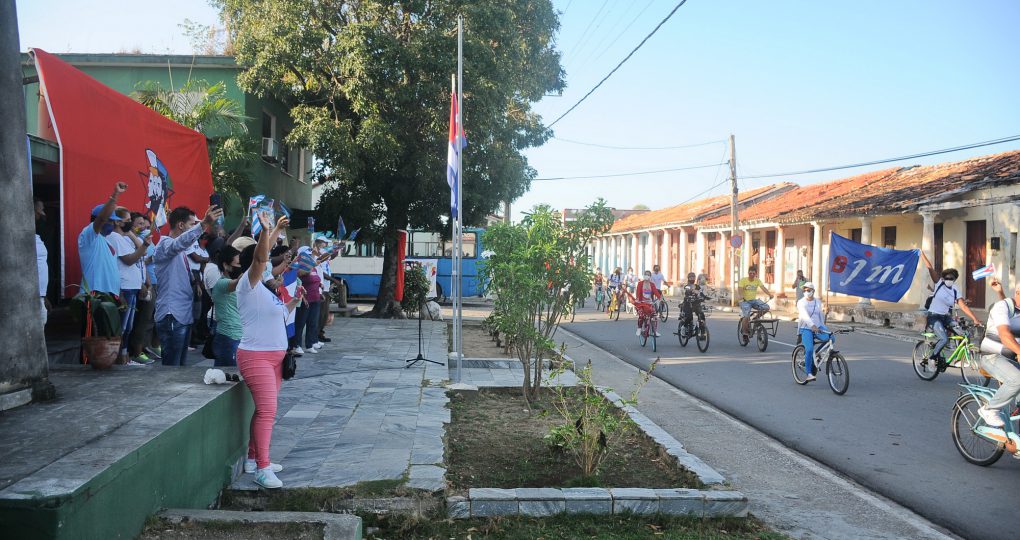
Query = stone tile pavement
x=353 y=413
x=500 y=372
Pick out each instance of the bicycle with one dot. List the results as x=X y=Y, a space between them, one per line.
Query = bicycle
x=661 y=306
x=976 y=441
x=600 y=298
x=964 y=356
x=697 y=328
x=836 y=369
x=648 y=321
x=758 y=327
x=613 y=310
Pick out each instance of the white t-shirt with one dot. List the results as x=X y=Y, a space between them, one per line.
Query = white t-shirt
x=810 y=313
x=324 y=271
x=998 y=316
x=945 y=298
x=131 y=276
x=657 y=279
x=211 y=275
x=200 y=251
x=263 y=317
x=40 y=262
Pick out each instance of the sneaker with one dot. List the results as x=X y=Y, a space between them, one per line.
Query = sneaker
x=324 y=339
x=318 y=345
x=143 y=359
x=657 y=334
x=250 y=466
x=991 y=417
x=810 y=377
x=267 y=478
x=156 y=353
x=637 y=332
x=133 y=363
x=313 y=350
x=299 y=350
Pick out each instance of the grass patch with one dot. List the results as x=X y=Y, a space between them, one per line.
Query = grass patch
x=322 y=499
x=493 y=440
x=162 y=529
x=568 y=527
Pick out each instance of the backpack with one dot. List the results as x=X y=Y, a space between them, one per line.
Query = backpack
x=927 y=302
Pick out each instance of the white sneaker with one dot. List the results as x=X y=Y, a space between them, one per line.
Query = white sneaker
x=991 y=417
x=810 y=377
x=267 y=478
x=318 y=345
x=313 y=350
x=250 y=466
x=657 y=334
x=637 y=332
x=299 y=350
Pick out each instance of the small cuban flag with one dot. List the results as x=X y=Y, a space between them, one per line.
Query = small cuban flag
x=982 y=273
x=457 y=144
x=253 y=204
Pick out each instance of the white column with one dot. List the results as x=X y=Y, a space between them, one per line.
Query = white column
x=779 y=261
x=682 y=264
x=665 y=261
x=745 y=252
x=927 y=235
x=615 y=256
x=635 y=252
x=650 y=244
x=816 y=256
x=761 y=255
x=700 y=260
x=866 y=239
x=721 y=267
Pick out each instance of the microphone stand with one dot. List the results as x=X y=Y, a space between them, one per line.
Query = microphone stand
x=420 y=358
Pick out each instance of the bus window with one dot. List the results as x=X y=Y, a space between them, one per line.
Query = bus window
x=469 y=246
x=423 y=244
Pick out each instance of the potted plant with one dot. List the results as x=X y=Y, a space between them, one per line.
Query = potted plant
x=99 y=313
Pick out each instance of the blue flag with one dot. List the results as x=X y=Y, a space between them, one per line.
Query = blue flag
x=341 y=230
x=870 y=271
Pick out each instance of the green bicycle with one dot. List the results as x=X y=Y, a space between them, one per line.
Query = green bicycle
x=964 y=356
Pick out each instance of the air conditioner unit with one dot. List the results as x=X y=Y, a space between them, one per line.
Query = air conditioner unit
x=270 y=149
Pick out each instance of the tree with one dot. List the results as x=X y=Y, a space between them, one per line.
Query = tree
x=640 y=207
x=205 y=108
x=368 y=83
x=537 y=270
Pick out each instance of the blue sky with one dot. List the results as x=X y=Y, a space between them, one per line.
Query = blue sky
x=801 y=84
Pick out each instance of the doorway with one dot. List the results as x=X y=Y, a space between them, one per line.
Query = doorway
x=976 y=238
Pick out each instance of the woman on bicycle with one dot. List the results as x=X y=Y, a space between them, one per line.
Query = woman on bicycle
x=599 y=279
x=1000 y=349
x=811 y=322
x=647 y=292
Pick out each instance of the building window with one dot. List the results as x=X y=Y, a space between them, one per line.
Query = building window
x=285 y=164
x=692 y=238
x=856 y=235
x=268 y=125
x=889 y=237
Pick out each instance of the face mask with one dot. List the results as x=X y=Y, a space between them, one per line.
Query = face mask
x=648 y=277
x=948 y=281
x=236 y=272
x=107 y=229
x=809 y=294
x=125 y=227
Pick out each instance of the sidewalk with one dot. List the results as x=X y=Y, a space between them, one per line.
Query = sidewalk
x=792 y=493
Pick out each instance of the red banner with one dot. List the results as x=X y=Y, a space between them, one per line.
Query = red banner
x=106 y=137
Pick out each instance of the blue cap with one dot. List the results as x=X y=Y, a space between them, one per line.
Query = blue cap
x=99 y=208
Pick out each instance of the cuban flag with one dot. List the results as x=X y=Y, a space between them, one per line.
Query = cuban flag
x=253 y=203
x=287 y=293
x=982 y=273
x=457 y=143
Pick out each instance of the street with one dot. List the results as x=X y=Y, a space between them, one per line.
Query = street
x=889 y=432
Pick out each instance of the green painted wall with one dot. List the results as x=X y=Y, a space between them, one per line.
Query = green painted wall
x=184 y=467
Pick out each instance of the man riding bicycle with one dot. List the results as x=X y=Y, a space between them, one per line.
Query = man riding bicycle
x=658 y=278
x=1000 y=349
x=811 y=323
x=693 y=297
x=748 y=288
x=941 y=303
x=647 y=292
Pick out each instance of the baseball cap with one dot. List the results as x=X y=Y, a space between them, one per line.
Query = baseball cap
x=243 y=242
x=99 y=208
x=808 y=285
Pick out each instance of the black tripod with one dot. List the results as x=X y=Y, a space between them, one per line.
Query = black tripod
x=420 y=357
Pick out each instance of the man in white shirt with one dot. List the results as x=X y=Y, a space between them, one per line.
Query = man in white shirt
x=658 y=278
x=129 y=250
x=1000 y=350
x=943 y=299
x=810 y=322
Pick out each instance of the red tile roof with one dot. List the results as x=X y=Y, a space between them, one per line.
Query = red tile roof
x=690 y=212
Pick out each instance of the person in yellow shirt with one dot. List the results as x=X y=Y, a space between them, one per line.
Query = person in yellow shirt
x=748 y=289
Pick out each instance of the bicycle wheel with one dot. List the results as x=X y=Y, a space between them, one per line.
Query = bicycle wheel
x=654 y=329
x=683 y=334
x=762 y=337
x=643 y=336
x=741 y=338
x=799 y=371
x=838 y=373
x=971 y=372
x=663 y=311
x=615 y=315
x=973 y=447
x=925 y=369
x=701 y=335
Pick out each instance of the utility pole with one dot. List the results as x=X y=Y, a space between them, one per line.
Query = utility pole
x=733 y=222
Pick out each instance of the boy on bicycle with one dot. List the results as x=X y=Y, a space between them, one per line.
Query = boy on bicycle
x=693 y=296
x=647 y=292
x=811 y=323
x=748 y=288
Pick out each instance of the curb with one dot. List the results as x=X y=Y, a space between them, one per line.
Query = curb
x=336 y=526
x=545 y=502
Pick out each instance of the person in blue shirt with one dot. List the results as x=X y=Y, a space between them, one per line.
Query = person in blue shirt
x=99 y=270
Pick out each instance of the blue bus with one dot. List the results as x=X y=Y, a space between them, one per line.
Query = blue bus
x=361 y=268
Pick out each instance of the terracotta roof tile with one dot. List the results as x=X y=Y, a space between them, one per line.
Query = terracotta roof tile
x=690 y=212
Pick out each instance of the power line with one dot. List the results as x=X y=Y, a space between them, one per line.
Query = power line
x=614 y=175
x=585 y=33
x=610 y=74
x=617 y=21
x=618 y=36
x=612 y=147
x=889 y=160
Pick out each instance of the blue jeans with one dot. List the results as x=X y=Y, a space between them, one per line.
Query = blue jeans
x=127 y=320
x=173 y=336
x=807 y=338
x=225 y=350
x=939 y=324
x=307 y=321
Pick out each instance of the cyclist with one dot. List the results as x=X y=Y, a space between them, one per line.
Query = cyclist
x=615 y=279
x=658 y=279
x=646 y=293
x=631 y=279
x=598 y=279
x=940 y=304
x=999 y=355
x=693 y=296
x=748 y=287
x=811 y=323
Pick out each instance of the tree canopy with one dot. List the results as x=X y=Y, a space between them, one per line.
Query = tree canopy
x=368 y=83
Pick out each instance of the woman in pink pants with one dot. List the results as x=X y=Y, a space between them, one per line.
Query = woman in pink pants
x=263 y=345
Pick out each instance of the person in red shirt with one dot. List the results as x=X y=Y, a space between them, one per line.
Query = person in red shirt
x=645 y=294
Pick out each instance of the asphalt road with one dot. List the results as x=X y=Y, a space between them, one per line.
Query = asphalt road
x=889 y=432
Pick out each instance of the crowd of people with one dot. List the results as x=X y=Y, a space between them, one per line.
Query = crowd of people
x=246 y=301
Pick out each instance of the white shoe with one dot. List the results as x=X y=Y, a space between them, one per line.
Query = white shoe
x=299 y=350
x=657 y=334
x=267 y=478
x=637 y=332
x=991 y=417
x=810 y=377
x=318 y=345
x=250 y=466
x=313 y=350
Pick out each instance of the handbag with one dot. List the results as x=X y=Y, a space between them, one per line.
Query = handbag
x=289 y=365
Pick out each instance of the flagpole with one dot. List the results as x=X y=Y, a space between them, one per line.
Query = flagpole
x=460 y=208
x=454 y=221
